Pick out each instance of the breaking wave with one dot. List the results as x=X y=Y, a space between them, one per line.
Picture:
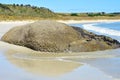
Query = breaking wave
x=102 y=30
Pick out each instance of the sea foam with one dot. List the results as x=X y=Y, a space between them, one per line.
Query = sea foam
x=102 y=30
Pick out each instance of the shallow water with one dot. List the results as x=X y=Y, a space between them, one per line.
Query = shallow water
x=58 y=68
x=17 y=63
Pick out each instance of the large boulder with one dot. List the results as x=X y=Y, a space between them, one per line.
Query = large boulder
x=51 y=36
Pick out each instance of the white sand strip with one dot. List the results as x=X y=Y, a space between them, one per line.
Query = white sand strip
x=7 y=25
x=86 y=21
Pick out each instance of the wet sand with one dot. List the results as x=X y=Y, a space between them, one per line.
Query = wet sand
x=20 y=63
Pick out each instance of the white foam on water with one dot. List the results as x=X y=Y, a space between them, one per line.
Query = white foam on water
x=101 y=29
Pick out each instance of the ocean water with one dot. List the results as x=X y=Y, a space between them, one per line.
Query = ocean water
x=111 y=29
x=20 y=64
x=112 y=25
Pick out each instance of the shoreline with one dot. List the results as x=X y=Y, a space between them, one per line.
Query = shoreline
x=18 y=21
x=87 y=21
x=63 y=21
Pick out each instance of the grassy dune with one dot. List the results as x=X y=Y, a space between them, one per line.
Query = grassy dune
x=28 y=12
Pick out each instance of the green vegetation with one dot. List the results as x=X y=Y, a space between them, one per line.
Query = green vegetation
x=28 y=12
x=16 y=11
x=74 y=14
x=89 y=16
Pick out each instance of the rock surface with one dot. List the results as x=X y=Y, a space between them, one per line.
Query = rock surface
x=51 y=36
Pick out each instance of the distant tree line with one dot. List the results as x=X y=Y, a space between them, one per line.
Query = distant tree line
x=27 y=5
x=74 y=14
x=116 y=13
x=93 y=14
x=96 y=14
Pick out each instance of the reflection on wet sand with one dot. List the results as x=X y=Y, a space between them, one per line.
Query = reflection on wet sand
x=46 y=67
x=33 y=65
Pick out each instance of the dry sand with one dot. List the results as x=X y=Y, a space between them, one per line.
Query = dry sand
x=86 y=21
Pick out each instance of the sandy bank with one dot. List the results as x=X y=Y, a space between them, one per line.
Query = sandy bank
x=7 y=25
x=17 y=21
x=86 y=21
x=63 y=21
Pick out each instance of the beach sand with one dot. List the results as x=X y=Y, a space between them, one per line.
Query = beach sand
x=61 y=66
x=86 y=21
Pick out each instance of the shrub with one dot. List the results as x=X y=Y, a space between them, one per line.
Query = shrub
x=74 y=14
